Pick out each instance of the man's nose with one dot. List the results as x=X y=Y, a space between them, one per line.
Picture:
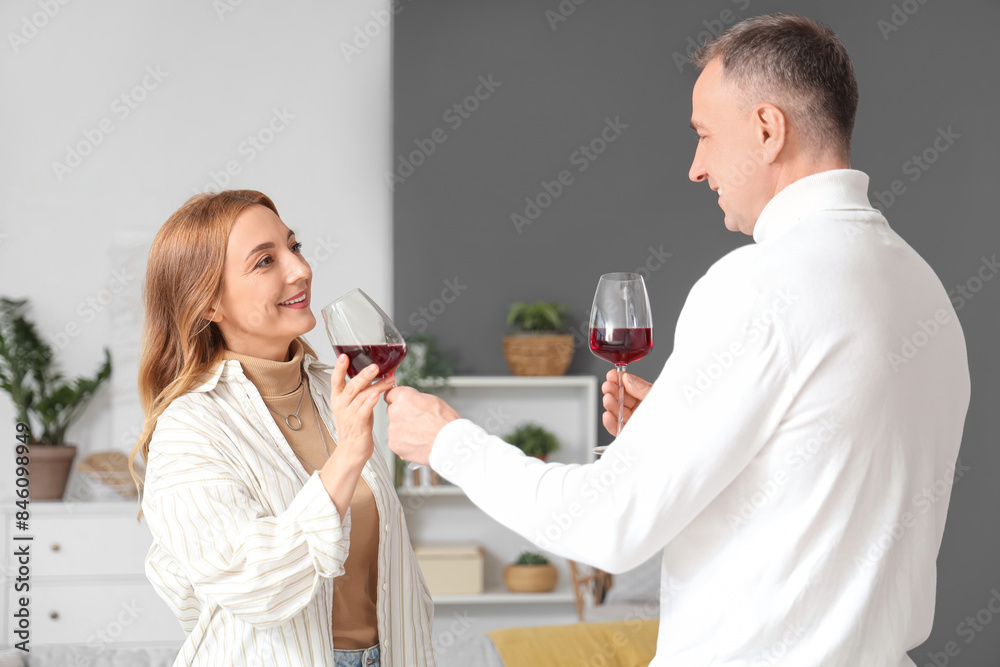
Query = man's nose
x=697 y=172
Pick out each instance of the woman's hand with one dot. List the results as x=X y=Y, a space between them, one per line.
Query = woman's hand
x=352 y=404
x=636 y=389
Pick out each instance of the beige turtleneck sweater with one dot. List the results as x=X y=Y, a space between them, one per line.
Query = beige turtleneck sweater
x=281 y=385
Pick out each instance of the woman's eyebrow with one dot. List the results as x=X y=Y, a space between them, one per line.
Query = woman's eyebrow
x=263 y=246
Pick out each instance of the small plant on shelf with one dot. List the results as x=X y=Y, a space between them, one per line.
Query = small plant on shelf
x=539 y=344
x=530 y=573
x=533 y=440
x=531 y=558
x=540 y=317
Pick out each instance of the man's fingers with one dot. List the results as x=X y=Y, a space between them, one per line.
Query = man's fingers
x=610 y=400
x=398 y=393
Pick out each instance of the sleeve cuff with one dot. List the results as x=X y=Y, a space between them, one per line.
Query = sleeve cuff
x=456 y=442
x=326 y=534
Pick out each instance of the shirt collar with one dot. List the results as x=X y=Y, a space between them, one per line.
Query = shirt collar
x=833 y=190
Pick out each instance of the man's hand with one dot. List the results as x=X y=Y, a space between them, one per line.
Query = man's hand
x=636 y=389
x=414 y=422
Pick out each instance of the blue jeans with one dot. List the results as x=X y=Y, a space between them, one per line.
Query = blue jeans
x=364 y=657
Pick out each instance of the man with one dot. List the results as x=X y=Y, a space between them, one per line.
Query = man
x=795 y=456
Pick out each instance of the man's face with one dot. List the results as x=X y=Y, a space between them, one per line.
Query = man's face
x=729 y=155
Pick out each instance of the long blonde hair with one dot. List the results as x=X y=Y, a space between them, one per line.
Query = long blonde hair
x=183 y=281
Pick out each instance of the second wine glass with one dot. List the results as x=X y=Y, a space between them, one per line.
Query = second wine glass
x=621 y=326
x=360 y=329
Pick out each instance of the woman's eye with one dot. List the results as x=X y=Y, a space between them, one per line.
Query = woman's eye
x=296 y=247
x=261 y=262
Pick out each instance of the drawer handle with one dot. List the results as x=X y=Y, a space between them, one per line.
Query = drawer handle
x=54 y=615
x=55 y=546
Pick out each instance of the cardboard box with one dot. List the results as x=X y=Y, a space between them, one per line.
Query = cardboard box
x=452 y=568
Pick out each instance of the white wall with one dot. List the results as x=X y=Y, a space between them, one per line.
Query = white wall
x=225 y=66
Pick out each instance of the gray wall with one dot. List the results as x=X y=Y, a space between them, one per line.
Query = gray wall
x=452 y=214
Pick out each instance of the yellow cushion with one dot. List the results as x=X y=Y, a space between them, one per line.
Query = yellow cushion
x=621 y=643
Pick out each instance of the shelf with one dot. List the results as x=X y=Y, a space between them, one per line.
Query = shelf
x=422 y=491
x=503 y=596
x=505 y=381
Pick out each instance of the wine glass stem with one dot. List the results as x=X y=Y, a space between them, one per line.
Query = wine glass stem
x=621 y=399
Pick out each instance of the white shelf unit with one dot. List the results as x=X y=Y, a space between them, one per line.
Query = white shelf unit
x=565 y=405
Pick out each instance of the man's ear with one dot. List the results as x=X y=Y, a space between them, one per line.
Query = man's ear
x=770 y=130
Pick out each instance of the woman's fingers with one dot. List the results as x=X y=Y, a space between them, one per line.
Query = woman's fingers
x=369 y=396
x=337 y=376
x=358 y=383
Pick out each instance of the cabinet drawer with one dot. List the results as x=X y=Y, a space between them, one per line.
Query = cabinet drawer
x=88 y=545
x=99 y=614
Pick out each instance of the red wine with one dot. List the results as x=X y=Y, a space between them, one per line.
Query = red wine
x=623 y=346
x=361 y=356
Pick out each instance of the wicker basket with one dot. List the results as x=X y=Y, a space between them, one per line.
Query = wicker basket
x=110 y=468
x=530 y=578
x=538 y=354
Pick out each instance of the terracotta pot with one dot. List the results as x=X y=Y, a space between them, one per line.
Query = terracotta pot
x=530 y=578
x=538 y=354
x=48 y=470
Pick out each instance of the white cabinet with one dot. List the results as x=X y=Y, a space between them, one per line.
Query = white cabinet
x=568 y=407
x=88 y=585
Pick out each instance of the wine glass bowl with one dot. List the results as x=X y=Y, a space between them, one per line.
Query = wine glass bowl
x=360 y=329
x=621 y=326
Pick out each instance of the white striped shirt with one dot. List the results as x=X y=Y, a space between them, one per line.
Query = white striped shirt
x=246 y=544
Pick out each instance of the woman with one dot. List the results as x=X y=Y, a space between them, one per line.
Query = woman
x=278 y=538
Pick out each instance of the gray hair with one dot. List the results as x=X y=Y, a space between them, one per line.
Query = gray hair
x=797 y=64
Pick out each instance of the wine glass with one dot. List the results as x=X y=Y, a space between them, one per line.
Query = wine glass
x=360 y=329
x=621 y=326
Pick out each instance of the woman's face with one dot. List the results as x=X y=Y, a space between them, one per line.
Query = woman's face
x=264 y=267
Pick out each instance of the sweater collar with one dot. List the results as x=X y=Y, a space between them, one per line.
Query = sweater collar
x=233 y=365
x=833 y=190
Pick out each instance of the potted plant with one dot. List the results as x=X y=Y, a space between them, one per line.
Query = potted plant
x=533 y=440
x=530 y=573
x=425 y=368
x=539 y=344
x=40 y=395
